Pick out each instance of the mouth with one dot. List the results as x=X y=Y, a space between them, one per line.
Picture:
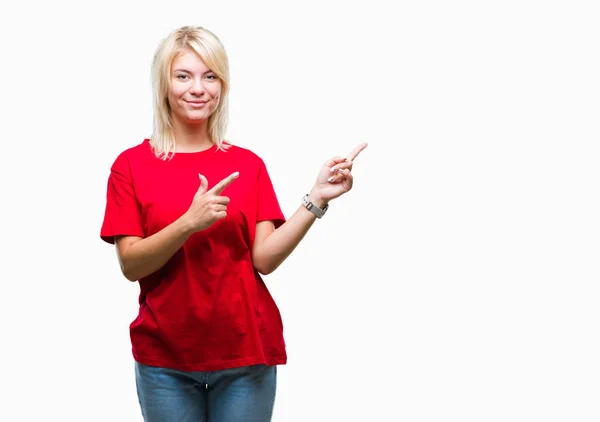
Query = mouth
x=196 y=103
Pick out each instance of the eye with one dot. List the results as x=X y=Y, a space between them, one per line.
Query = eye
x=182 y=77
x=212 y=77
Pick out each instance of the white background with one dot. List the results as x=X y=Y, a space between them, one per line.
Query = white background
x=457 y=281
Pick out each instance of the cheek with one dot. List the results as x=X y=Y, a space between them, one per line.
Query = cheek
x=215 y=91
x=172 y=101
x=176 y=91
x=216 y=95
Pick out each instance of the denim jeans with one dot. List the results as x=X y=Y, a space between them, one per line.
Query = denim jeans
x=245 y=394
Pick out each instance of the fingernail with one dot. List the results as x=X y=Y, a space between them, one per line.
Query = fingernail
x=330 y=179
x=332 y=169
x=236 y=174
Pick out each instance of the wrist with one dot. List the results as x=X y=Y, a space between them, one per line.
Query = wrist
x=185 y=226
x=316 y=199
x=315 y=205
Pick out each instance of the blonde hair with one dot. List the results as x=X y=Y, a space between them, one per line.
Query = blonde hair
x=212 y=52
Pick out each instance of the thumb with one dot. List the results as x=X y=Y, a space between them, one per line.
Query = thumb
x=203 y=184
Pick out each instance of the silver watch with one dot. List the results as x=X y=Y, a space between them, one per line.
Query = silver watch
x=313 y=208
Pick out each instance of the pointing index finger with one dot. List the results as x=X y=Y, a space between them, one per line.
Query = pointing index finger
x=356 y=151
x=220 y=187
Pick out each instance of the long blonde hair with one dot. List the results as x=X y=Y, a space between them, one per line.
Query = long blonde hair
x=212 y=52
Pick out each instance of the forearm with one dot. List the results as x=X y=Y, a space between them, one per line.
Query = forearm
x=141 y=257
x=276 y=247
x=272 y=247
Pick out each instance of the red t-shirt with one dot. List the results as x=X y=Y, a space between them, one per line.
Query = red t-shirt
x=207 y=308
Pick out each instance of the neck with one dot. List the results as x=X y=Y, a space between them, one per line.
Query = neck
x=191 y=138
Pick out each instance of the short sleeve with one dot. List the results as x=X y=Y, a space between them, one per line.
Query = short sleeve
x=122 y=215
x=268 y=206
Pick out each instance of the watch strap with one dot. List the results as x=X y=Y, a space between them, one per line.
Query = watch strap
x=313 y=208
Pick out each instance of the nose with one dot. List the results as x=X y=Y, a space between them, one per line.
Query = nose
x=197 y=87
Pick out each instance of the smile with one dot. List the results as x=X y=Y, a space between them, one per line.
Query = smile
x=196 y=103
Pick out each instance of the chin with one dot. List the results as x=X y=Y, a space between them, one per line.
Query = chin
x=198 y=118
x=195 y=117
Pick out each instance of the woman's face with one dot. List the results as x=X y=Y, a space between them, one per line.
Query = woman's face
x=194 y=91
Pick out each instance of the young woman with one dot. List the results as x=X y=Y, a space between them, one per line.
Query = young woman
x=196 y=220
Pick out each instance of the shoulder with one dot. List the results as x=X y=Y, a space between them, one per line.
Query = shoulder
x=136 y=153
x=241 y=151
x=244 y=155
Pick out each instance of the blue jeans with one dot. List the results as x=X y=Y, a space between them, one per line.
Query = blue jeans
x=231 y=395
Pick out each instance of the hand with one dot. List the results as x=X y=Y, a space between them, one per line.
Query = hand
x=335 y=178
x=208 y=206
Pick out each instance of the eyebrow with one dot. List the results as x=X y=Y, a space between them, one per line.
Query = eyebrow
x=187 y=71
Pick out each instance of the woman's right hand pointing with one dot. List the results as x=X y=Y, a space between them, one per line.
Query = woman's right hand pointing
x=208 y=206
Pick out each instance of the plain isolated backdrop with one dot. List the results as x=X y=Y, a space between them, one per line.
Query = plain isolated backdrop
x=458 y=281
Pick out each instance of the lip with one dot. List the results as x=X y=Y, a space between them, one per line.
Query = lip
x=196 y=103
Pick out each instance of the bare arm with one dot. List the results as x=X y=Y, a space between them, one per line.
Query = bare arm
x=272 y=246
x=140 y=257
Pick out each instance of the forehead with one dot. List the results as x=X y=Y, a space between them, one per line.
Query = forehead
x=189 y=61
